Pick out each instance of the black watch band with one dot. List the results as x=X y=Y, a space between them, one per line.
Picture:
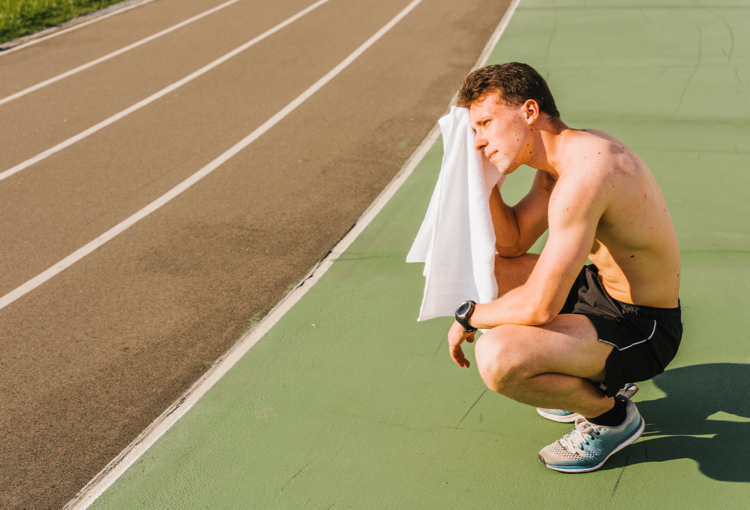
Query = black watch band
x=464 y=313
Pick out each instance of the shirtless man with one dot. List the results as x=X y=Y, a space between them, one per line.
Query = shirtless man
x=562 y=331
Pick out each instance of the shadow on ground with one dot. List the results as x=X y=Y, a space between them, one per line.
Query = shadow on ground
x=705 y=416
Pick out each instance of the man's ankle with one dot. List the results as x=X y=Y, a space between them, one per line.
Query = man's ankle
x=614 y=417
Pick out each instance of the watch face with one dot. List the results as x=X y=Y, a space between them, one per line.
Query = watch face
x=463 y=308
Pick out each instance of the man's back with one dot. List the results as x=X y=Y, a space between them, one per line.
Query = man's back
x=636 y=247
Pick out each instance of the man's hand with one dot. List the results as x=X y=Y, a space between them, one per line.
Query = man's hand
x=455 y=337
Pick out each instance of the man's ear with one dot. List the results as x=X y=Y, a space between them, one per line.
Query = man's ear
x=531 y=111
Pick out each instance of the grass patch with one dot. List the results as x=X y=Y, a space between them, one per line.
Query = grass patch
x=251 y=324
x=23 y=17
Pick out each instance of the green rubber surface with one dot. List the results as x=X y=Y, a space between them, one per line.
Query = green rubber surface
x=348 y=402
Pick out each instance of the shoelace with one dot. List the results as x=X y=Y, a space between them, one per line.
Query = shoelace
x=583 y=433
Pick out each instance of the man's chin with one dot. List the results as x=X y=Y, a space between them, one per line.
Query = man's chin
x=502 y=166
x=504 y=169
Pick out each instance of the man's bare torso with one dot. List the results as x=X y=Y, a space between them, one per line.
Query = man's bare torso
x=636 y=247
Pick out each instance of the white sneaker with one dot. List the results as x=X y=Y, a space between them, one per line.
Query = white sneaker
x=589 y=446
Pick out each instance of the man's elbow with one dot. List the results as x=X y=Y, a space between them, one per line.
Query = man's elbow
x=540 y=313
x=540 y=317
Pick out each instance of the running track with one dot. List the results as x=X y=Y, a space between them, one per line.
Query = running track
x=139 y=240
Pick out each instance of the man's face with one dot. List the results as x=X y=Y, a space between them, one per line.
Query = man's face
x=500 y=131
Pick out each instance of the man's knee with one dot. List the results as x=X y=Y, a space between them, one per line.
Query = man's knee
x=500 y=363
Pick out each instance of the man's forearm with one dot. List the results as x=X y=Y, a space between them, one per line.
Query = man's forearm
x=505 y=223
x=519 y=306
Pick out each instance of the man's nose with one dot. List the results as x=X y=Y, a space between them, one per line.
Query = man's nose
x=479 y=143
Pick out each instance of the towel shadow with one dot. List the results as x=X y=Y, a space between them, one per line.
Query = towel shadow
x=705 y=417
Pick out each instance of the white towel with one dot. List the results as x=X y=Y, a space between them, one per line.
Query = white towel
x=457 y=241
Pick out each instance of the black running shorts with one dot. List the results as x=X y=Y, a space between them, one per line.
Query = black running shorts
x=644 y=339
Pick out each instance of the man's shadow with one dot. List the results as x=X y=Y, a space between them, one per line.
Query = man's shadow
x=705 y=417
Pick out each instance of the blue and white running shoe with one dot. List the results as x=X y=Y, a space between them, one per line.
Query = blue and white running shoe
x=589 y=446
x=563 y=416
x=559 y=415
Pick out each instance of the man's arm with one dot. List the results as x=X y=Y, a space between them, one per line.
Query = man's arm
x=574 y=213
x=517 y=228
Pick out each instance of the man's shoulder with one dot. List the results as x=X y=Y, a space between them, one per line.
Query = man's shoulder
x=587 y=144
x=590 y=168
x=593 y=158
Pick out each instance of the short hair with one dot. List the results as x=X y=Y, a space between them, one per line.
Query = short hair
x=514 y=82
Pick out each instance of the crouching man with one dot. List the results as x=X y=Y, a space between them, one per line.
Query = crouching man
x=562 y=331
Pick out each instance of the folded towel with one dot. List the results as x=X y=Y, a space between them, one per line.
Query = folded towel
x=457 y=241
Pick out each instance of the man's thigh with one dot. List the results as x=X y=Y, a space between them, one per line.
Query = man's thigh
x=513 y=272
x=567 y=345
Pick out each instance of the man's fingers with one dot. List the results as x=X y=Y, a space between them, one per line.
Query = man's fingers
x=470 y=338
x=455 y=337
x=458 y=355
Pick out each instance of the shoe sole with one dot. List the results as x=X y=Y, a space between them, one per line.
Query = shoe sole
x=635 y=435
x=559 y=419
x=573 y=417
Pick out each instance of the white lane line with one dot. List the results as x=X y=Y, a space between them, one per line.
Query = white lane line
x=153 y=97
x=114 y=53
x=112 y=471
x=75 y=27
x=200 y=174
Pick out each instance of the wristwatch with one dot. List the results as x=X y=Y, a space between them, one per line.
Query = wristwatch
x=464 y=313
